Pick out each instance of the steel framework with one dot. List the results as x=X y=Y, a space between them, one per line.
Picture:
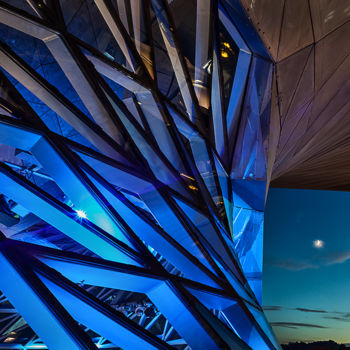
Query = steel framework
x=134 y=147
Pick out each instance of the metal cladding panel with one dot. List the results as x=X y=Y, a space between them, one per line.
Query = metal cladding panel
x=308 y=43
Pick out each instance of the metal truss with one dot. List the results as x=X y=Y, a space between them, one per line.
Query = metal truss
x=134 y=149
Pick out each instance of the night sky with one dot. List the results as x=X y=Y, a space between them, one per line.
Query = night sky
x=306 y=283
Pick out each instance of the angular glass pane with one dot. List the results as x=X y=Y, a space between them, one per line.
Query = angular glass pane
x=84 y=20
x=36 y=54
x=228 y=60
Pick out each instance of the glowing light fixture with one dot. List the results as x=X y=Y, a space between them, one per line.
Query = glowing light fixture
x=81 y=214
x=9 y=340
x=187 y=176
x=224 y=54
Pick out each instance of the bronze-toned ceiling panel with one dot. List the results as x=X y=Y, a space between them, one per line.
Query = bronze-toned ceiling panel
x=331 y=52
x=312 y=81
x=289 y=74
x=267 y=17
x=328 y=15
x=296 y=31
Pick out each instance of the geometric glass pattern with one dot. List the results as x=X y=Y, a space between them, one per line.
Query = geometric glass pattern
x=134 y=153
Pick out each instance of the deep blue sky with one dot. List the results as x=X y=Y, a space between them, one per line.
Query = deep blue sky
x=306 y=290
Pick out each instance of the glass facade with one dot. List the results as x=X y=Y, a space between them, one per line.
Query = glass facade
x=134 y=148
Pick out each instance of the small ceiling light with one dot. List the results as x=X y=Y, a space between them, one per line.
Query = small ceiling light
x=207 y=66
x=81 y=214
x=224 y=54
x=187 y=176
x=9 y=340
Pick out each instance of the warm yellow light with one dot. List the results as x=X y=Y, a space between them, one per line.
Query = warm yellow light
x=194 y=188
x=224 y=54
x=187 y=176
x=227 y=45
x=9 y=340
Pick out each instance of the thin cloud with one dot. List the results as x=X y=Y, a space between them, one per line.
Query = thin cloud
x=310 y=310
x=296 y=325
x=301 y=309
x=329 y=315
x=272 y=308
x=326 y=315
x=336 y=258
x=293 y=265
x=315 y=262
x=336 y=318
